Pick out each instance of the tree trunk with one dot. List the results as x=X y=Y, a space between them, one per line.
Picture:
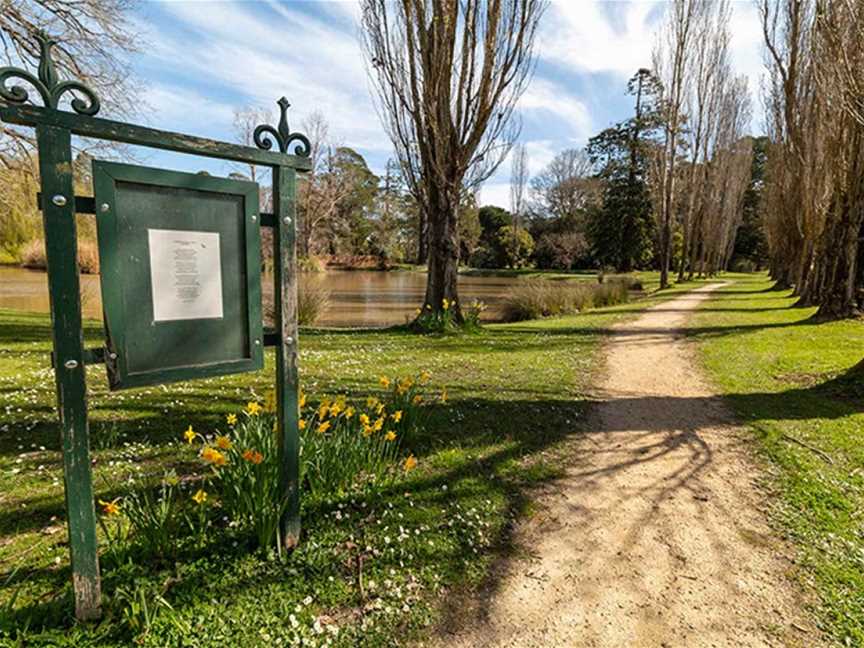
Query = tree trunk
x=443 y=242
x=665 y=253
x=422 y=238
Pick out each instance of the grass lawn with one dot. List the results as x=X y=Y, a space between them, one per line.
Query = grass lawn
x=373 y=567
x=786 y=376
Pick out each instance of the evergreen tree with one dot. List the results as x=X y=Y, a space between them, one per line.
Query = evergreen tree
x=621 y=231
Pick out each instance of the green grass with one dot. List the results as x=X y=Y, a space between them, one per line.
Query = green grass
x=515 y=392
x=787 y=376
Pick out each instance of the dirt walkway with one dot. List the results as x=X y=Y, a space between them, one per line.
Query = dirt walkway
x=657 y=535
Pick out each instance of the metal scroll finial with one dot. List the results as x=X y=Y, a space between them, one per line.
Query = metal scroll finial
x=48 y=83
x=264 y=135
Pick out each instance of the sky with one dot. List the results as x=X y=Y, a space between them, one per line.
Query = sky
x=200 y=60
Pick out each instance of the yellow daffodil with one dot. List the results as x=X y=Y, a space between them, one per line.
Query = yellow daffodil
x=371 y=402
x=323 y=410
x=200 y=497
x=110 y=508
x=213 y=456
x=390 y=436
x=223 y=442
x=425 y=376
x=445 y=304
x=189 y=434
x=417 y=399
x=378 y=424
x=301 y=424
x=301 y=402
x=323 y=427
x=364 y=419
x=410 y=463
x=396 y=416
x=253 y=456
x=231 y=419
x=253 y=408
x=444 y=395
x=417 y=311
x=367 y=430
x=335 y=409
x=380 y=408
x=384 y=381
x=349 y=412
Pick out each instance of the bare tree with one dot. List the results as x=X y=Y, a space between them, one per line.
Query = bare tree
x=518 y=180
x=673 y=59
x=448 y=75
x=93 y=39
x=246 y=119
x=518 y=184
x=566 y=185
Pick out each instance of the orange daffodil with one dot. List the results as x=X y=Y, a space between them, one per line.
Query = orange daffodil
x=253 y=456
x=213 y=456
x=223 y=442
x=110 y=508
x=410 y=463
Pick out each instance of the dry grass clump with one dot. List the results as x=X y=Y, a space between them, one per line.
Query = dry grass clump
x=312 y=302
x=632 y=282
x=33 y=256
x=540 y=298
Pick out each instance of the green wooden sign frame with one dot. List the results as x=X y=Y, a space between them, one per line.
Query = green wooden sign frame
x=54 y=129
x=186 y=348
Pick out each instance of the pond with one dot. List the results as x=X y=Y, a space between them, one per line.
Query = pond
x=357 y=298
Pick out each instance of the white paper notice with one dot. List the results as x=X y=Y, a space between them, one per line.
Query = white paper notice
x=186 y=274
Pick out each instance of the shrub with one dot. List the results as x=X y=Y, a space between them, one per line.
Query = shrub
x=33 y=256
x=541 y=298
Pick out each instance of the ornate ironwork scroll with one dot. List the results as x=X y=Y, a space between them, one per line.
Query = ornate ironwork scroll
x=48 y=84
x=264 y=135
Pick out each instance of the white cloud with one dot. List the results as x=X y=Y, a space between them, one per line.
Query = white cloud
x=543 y=95
x=578 y=34
x=495 y=193
x=316 y=65
x=185 y=109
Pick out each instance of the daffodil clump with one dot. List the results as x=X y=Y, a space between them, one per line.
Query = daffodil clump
x=444 y=320
x=347 y=445
x=243 y=471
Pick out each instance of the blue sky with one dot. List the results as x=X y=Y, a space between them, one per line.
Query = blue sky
x=202 y=59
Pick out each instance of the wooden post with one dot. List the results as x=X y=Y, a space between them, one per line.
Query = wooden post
x=58 y=213
x=287 y=384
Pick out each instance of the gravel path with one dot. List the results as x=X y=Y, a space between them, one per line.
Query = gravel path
x=657 y=535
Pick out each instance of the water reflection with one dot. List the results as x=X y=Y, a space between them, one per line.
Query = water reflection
x=361 y=298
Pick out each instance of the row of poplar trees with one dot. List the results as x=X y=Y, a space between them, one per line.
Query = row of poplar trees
x=814 y=192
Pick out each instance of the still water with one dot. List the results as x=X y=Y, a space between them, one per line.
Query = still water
x=357 y=298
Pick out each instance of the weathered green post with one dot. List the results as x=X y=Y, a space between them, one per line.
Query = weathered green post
x=54 y=128
x=285 y=291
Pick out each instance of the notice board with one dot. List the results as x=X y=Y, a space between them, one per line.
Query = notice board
x=180 y=263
